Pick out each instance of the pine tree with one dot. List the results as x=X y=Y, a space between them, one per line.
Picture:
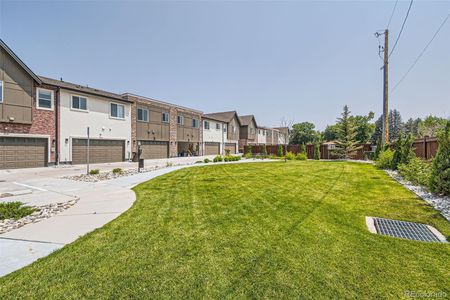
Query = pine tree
x=280 y=151
x=317 y=151
x=440 y=174
x=346 y=142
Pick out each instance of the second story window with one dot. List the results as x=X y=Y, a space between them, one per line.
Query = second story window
x=79 y=103
x=206 y=125
x=165 y=117
x=180 y=120
x=224 y=128
x=1 y=91
x=194 y=123
x=217 y=126
x=117 y=111
x=142 y=115
x=45 y=99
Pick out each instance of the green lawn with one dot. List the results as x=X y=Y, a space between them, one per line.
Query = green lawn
x=272 y=230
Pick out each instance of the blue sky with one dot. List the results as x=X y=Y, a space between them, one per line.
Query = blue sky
x=298 y=60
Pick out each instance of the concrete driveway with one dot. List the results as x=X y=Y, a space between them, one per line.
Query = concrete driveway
x=98 y=204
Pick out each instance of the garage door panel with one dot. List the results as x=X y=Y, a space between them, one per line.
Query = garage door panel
x=23 y=152
x=212 y=148
x=100 y=151
x=154 y=149
x=231 y=147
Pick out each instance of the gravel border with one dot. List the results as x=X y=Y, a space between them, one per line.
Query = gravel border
x=442 y=204
x=42 y=213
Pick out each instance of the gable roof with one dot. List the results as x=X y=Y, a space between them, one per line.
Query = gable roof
x=246 y=120
x=225 y=116
x=82 y=89
x=19 y=61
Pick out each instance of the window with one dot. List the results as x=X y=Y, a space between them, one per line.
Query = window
x=45 y=99
x=180 y=120
x=259 y=131
x=252 y=130
x=1 y=91
x=224 y=128
x=79 y=102
x=165 y=117
x=117 y=111
x=142 y=114
x=207 y=125
x=194 y=123
x=217 y=126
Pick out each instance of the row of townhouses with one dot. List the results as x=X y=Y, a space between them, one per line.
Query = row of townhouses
x=44 y=121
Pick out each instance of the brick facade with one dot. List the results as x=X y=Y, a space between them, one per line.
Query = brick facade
x=43 y=123
x=173 y=126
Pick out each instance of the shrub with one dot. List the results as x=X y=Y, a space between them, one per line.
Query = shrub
x=440 y=172
x=117 y=170
x=417 y=171
x=317 y=151
x=301 y=156
x=218 y=158
x=384 y=160
x=14 y=210
x=258 y=156
x=226 y=159
x=206 y=160
x=250 y=149
x=264 y=151
x=248 y=155
x=377 y=150
x=237 y=158
x=280 y=151
x=94 y=172
x=272 y=156
x=290 y=155
x=198 y=162
x=403 y=151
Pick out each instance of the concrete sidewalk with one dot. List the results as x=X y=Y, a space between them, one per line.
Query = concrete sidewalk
x=99 y=203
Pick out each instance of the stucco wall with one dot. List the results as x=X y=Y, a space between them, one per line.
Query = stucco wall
x=74 y=123
x=217 y=136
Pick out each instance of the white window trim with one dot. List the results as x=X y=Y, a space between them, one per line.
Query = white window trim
x=209 y=125
x=78 y=109
x=219 y=126
x=52 y=99
x=148 y=115
x=168 y=117
x=3 y=91
x=182 y=120
x=110 y=110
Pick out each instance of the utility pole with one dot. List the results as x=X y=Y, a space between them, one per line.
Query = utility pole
x=385 y=136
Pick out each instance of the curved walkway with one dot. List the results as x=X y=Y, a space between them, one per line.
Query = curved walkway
x=99 y=203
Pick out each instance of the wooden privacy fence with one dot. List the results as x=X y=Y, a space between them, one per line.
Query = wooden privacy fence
x=425 y=148
x=326 y=152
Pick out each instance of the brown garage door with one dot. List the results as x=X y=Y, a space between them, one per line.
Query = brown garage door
x=100 y=151
x=231 y=147
x=21 y=152
x=154 y=149
x=212 y=148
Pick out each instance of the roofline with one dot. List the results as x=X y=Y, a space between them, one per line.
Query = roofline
x=19 y=61
x=222 y=112
x=116 y=97
x=163 y=102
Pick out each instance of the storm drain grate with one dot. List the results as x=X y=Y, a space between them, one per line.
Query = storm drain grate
x=404 y=230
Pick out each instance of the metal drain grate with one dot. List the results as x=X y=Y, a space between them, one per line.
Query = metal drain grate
x=404 y=230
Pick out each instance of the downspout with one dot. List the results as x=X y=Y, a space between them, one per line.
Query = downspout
x=57 y=127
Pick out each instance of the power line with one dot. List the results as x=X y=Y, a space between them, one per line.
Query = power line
x=392 y=14
x=421 y=53
x=403 y=26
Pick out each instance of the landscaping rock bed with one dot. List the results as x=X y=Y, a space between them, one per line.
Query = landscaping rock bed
x=41 y=213
x=442 y=204
x=102 y=176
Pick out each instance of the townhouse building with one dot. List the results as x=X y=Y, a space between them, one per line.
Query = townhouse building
x=107 y=117
x=44 y=121
x=221 y=133
x=247 y=132
x=162 y=129
x=28 y=116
